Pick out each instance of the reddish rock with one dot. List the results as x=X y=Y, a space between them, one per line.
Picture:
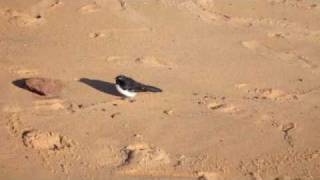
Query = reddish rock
x=44 y=86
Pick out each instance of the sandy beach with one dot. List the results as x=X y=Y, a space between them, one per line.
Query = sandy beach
x=240 y=81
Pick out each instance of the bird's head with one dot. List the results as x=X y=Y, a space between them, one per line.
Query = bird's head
x=120 y=79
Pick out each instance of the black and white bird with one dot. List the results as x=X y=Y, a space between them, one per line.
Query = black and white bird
x=129 y=87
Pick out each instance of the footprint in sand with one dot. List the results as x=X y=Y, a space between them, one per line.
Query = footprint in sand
x=38 y=140
x=278 y=35
x=40 y=9
x=276 y=1
x=8 y=66
x=295 y=4
x=222 y=107
x=265 y=93
x=22 y=19
x=149 y=61
x=270 y=93
x=11 y=109
x=203 y=9
x=287 y=130
x=21 y=71
x=14 y=124
x=47 y=4
x=290 y=57
x=49 y=105
x=208 y=176
x=306 y=62
x=94 y=35
x=34 y=16
x=252 y=44
x=169 y=3
x=142 y=156
x=218 y=104
x=90 y=8
x=107 y=156
x=123 y=4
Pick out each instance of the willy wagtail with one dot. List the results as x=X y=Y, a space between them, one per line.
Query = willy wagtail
x=129 y=87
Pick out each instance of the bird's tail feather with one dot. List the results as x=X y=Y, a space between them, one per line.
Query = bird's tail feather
x=151 y=88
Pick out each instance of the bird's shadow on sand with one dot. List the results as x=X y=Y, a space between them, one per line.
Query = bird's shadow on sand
x=102 y=86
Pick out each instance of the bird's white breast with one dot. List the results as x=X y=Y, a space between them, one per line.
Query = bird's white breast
x=125 y=92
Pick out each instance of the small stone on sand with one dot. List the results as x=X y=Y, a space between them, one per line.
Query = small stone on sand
x=168 y=112
x=44 y=86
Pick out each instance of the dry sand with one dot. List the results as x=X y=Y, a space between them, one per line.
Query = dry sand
x=241 y=83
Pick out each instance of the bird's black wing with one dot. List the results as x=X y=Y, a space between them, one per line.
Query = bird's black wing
x=132 y=85
x=139 y=87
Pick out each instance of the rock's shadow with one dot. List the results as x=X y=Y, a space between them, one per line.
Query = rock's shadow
x=102 y=86
x=21 y=83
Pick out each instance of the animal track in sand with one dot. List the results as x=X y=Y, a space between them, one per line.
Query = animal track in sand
x=265 y=93
x=114 y=115
x=168 y=112
x=252 y=45
x=280 y=35
x=287 y=130
x=308 y=91
x=90 y=8
x=47 y=4
x=218 y=104
x=294 y=4
x=22 y=19
x=38 y=140
x=312 y=36
x=107 y=156
x=203 y=9
x=93 y=107
x=149 y=61
x=32 y=17
x=290 y=57
x=267 y=163
x=97 y=35
x=269 y=94
x=49 y=104
x=208 y=176
x=123 y=4
x=221 y=107
x=11 y=109
x=14 y=124
x=142 y=156
x=170 y=3
x=21 y=71
x=306 y=62
x=115 y=31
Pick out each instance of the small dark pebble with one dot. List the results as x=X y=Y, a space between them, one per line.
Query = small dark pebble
x=313 y=5
x=38 y=16
x=114 y=115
